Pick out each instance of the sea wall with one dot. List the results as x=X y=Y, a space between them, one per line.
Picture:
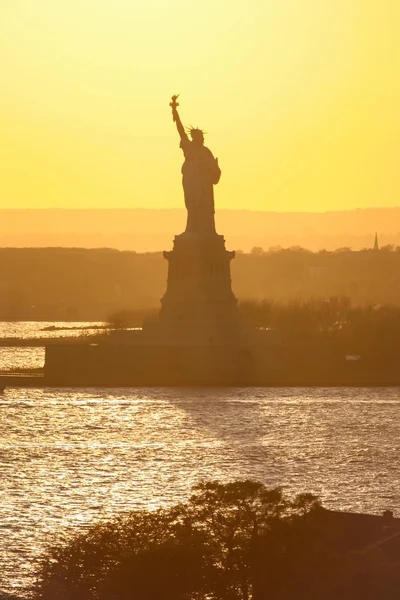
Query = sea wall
x=106 y=364
x=163 y=365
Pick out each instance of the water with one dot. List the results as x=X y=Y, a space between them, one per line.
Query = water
x=69 y=457
x=18 y=358
x=39 y=329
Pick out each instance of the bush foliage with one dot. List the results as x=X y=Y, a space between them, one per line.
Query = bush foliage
x=233 y=541
x=214 y=546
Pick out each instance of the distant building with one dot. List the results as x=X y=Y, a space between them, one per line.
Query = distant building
x=376 y=245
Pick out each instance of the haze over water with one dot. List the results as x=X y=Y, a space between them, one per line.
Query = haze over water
x=69 y=457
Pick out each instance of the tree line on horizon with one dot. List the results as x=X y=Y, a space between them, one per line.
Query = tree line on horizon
x=74 y=284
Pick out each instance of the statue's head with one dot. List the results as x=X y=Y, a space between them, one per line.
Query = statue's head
x=197 y=135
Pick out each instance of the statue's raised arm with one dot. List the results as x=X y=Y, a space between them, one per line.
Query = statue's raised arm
x=176 y=118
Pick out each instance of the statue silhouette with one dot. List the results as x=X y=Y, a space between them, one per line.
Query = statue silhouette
x=200 y=172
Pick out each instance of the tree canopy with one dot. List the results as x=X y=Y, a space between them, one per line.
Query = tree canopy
x=229 y=541
x=208 y=547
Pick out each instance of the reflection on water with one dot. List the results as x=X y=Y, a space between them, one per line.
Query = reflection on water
x=45 y=329
x=68 y=457
x=18 y=358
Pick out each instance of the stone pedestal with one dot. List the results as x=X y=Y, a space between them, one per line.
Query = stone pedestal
x=198 y=337
x=199 y=307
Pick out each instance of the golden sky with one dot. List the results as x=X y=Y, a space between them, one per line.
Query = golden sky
x=300 y=99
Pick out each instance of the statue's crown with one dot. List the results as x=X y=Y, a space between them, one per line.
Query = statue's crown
x=195 y=131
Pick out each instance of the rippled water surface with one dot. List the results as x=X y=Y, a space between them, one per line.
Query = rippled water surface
x=46 y=329
x=68 y=457
x=19 y=358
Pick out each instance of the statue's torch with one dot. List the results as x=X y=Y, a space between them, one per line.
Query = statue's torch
x=174 y=105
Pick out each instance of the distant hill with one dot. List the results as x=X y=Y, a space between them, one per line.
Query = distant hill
x=148 y=230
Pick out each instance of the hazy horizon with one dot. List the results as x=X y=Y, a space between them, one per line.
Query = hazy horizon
x=150 y=230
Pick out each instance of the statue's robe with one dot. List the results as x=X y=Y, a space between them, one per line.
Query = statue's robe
x=200 y=172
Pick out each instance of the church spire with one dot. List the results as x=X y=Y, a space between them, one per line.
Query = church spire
x=376 y=245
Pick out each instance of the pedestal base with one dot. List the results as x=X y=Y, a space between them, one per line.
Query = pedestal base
x=199 y=307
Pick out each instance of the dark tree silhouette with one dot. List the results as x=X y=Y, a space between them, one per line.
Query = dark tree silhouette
x=233 y=541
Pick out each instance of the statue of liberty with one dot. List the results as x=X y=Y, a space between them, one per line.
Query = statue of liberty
x=200 y=172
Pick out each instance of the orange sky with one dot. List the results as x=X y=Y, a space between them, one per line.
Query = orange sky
x=300 y=98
